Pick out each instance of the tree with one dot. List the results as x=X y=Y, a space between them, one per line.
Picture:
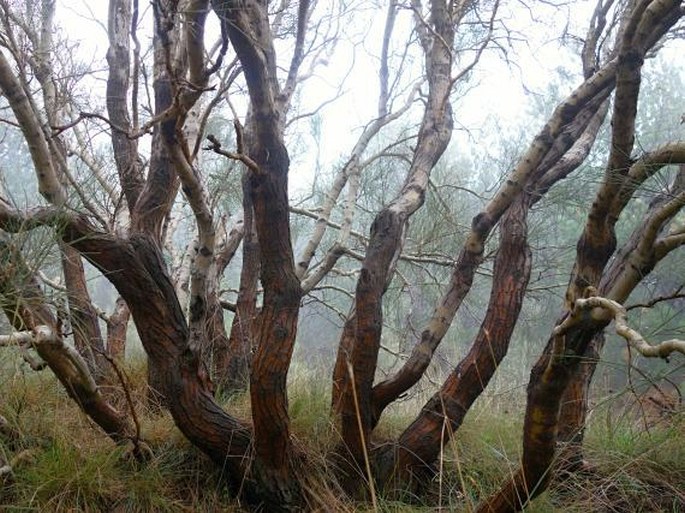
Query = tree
x=127 y=236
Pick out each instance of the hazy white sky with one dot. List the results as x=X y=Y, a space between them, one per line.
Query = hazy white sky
x=498 y=89
x=86 y=22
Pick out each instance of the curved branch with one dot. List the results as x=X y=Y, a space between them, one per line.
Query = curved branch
x=632 y=336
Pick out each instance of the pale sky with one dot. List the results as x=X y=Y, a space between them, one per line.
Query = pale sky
x=499 y=88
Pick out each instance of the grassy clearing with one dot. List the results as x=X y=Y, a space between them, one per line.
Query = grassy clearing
x=65 y=464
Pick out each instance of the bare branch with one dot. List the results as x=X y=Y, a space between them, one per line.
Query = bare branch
x=618 y=312
x=215 y=146
x=303 y=13
x=653 y=302
x=17 y=338
x=48 y=182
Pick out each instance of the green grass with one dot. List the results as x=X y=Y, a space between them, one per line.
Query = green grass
x=65 y=464
x=62 y=477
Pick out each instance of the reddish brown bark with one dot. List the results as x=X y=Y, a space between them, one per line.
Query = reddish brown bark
x=558 y=152
x=385 y=392
x=145 y=285
x=358 y=367
x=156 y=197
x=356 y=371
x=443 y=414
x=553 y=372
x=83 y=316
x=568 y=361
x=616 y=283
x=573 y=410
x=249 y=32
x=548 y=381
x=341 y=370
x=160 y=189
x=275 y=336
x=233 y=368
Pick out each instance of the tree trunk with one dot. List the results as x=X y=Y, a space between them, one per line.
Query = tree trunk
x=356 y=372
x=549 y=379
x=125 y=149
x=84 y=319
x=574 y=406
x=275 y=334
x=157 y=196
x=247 y=26
x=233 y=365
x=151 y=298
x=421 y=442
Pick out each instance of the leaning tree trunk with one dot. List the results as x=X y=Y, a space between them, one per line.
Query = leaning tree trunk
x=574 y=409
x=635 y=260
x=422 y=441
x=548 y=380
x=553 y=372
x=560 y=147
x=149 y=292
x=358 y=355
x=156 y=197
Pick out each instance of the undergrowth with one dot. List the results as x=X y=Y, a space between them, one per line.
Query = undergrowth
x=63 y=463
